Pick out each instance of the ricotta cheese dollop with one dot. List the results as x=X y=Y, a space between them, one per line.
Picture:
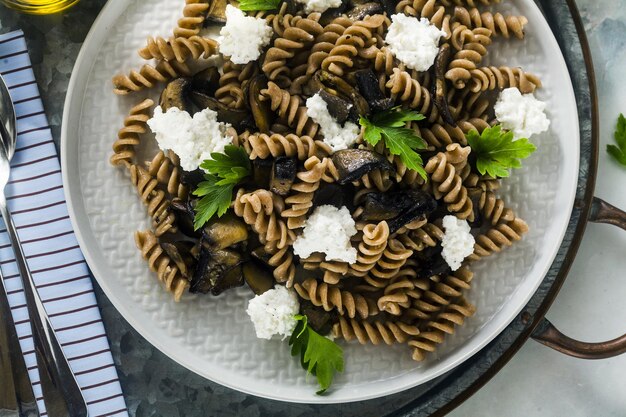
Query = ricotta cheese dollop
x=328 y=230
x=193 y=139
x=414 y=42
x=243 y=37
x=319 y=5
x=524 y=115
x=272 y=312
x=336 y=136
x=457 y=241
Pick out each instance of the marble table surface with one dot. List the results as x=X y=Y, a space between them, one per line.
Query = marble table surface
x=537 y=381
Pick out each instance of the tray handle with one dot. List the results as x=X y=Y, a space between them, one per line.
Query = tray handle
x=547 y=334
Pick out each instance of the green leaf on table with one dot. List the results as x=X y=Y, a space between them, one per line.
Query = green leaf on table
x=619 y=152
x=319 y=355
x=496 y=152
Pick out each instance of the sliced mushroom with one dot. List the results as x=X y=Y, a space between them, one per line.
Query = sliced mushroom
x=283 y=175
x=335 y=85
x=240 y=119
x=261 y=111
x=175 y=94
x=319 y=319
x=397 y=208
x=368 y=86
x=217 y=271
x=262 y=172
x=439 y=87
x=352 y=164
x=258 y=277
x=334 y=195
x=217 y=12
x=184 y=217
x=206 y=81
x=359 y=11
x=223 y=232
x=179 y=252
x=432 y=263
x=192 y=178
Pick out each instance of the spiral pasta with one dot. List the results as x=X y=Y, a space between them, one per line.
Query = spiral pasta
x=358 y=35
x=499 y=237
x=393 y=258
x=491 y=78
x=331 y=297
x=167 y=271
x=194 y=14
x=148 y=76
x=265 y=146
x=300 y=32
x=405 y=89
x=448 y=185
x=128 y=137
x=154 y=199
x=290 y=109
x=497 y=23
x=441 y=325
x=374 y=332
x=179 y=49
x=472 y=47
x=371 y=248
x=428 y=9
x=167 y=172
x=261 y=210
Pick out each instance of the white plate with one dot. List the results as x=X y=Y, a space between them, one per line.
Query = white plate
x=213 y=336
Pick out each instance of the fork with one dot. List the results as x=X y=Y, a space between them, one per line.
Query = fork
x=62 y=395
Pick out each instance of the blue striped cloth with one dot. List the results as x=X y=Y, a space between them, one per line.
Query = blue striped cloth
x=35 y=197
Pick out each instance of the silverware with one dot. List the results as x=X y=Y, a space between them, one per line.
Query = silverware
x=16 y=392
x=62 y=395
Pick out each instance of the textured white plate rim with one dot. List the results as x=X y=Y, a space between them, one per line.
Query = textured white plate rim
x=72 y=110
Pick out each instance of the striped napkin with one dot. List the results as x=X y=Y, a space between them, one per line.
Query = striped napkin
x=35 y=197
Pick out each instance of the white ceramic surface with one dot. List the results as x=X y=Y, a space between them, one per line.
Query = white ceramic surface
x=213 y=336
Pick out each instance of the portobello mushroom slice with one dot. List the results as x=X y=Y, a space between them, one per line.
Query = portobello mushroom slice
x=283 y=175
x=359 y=11
x=319 y=319
x=261 y=111
x=175 y=94
x=262 y=170
x=337 y=106
x=180 y=253
x=206 y=81
x=397 y=208
x=184 y=216
x=352 y=164
x=368 y=86
x=439 y=87
x=224 y=232
x=217 y=271
x=337 y=86
x=258 y=277
x=239 y=118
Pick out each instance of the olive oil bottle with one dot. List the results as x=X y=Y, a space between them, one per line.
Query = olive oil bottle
x=39 y=6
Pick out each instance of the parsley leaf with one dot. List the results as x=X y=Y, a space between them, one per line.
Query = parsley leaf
x=318 y=355
x=497 y=152
x=226 y=170
x=619 y=152
x=255 y=5
x=400 y=141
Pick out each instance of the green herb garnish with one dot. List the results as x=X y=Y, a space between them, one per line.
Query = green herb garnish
x=496 y=151
x=318 y=355
x=225 y=171
x=619 y=152
x=399 y=140
x=256 y=5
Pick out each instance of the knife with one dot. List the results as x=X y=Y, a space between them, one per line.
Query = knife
x=16 y=392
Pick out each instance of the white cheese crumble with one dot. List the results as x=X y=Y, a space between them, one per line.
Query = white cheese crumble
x=336 y=136
x=524 y=115
x=328 y=230
x=273 y=312
x=321 y=6
x=193 y=139
x=414 y=42
x=457 y=241
x=243 y=37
